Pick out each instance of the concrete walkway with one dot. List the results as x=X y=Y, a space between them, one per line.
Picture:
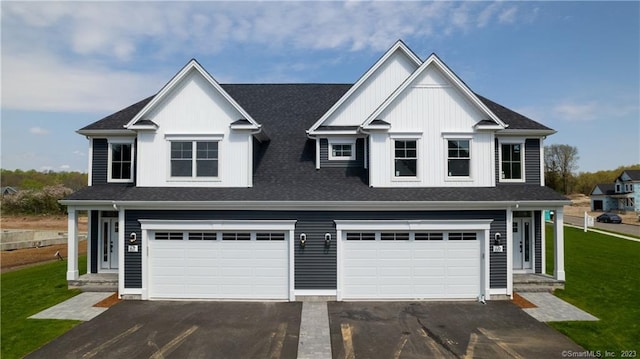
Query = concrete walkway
x=553 y=309
x=591 y=229
x=79 y=307
x=315 y=339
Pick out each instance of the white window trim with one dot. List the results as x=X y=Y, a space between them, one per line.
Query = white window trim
x=448 y=178
x=407 y=137
x=194 y=139
x=512 y=141
x=345 y=141
x=120 y=141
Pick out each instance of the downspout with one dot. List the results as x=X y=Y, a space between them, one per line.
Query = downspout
x=367 y=145
x=317 y=148
x=250 y=162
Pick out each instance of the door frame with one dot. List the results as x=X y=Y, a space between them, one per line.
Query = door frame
x=113 y=262
x=520 y=221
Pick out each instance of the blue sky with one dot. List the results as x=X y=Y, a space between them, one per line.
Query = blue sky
x=573 y=66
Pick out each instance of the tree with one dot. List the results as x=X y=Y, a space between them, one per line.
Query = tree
x=560 y=161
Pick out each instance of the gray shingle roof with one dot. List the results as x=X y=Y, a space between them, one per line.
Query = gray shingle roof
x=285 y=165
x=634 y=174
x=606 y=188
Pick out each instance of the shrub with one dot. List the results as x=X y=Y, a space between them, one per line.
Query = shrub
x=44 y=201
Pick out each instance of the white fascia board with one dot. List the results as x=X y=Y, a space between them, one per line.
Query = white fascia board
x=523 y=132
x=321 y=205
x=414 y=225
x=339 y=132
x=399 y=45
x=143 y=127
x=192 y=64
x=451 y=76
x=104 y=133
x=219 y=225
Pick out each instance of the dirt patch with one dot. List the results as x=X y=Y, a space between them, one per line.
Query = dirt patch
x=20 y=258
x=109 y=301
x=54 y=223
x=521 y=302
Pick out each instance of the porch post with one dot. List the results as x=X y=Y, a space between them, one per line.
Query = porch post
x=72 y=244
x=558 y=240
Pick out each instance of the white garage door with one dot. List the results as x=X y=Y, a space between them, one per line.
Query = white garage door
x=218 y=265
x=411 y=265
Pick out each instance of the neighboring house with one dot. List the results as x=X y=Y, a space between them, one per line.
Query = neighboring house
x=404 y=185
x=621 y=195
x=8 y=190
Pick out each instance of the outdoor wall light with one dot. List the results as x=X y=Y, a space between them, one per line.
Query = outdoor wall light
x=327 y=239
x=303 y=239
x=132 y=237
x=496 y=239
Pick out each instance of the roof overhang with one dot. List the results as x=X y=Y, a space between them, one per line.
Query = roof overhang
x=321 y=205
x=102 y=133
x=525 y=132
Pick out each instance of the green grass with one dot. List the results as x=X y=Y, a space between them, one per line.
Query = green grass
x=26 y=292
x=602 y=278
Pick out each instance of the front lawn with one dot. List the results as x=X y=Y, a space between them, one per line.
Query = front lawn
x=602 y=278
x=26 y=292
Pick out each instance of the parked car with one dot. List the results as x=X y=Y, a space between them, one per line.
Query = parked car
x=609 y=218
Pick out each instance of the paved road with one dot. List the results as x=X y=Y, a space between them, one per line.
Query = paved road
x=620 y=228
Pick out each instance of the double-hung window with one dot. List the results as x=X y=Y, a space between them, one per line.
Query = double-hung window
x=512 y=162
x=458 y=158
x=120 y=162
x=406 y=158
x=194 y=159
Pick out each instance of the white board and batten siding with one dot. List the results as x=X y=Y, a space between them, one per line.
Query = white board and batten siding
x=373 y=91
x=194 y=109
x=432 y=111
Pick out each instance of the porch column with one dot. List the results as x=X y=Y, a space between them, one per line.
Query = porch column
x=72 y=244
x=558 y=241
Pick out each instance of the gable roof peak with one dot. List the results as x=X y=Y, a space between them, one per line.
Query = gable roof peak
x=399 y=45
x=193 y=64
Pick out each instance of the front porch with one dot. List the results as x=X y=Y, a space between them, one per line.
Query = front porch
x=95 y=282
x=529 y=282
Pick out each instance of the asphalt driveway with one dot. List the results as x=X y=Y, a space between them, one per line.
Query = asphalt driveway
x=150 y=329
x=498 y=329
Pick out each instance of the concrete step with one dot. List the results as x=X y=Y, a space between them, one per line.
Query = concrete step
x=95 y=283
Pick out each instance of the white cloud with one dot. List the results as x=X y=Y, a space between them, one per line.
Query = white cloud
x=65 y=167
x=38 y=131
x=79 y=153
x=571 y=111
x=76 y=56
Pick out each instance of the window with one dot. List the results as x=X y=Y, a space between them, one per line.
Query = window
x=406 y=158
x=202 y=236
x=462 y=236
x=428 y=236
x=269 y=236
x=511 y=162
x=169 y=236
x=402 y=236
x=355 y=236
x=241 y=236
x=618 y=188
x=342 y=149
x=458 y=158
x=203 y=164
x=120 y=162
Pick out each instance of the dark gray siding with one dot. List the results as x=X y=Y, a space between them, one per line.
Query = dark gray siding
x=132 y=260
x=537 y=227
x=316 y=266
x=532 y=161
x=324 y=155
x=315 y=263
x=99 y=161
x=94 y=225
x=100 y=165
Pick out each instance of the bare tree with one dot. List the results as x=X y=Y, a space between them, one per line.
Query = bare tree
x=560 y=161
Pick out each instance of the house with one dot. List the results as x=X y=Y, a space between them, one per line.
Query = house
x=403 y=185
x=621 y=195
x=8 y=190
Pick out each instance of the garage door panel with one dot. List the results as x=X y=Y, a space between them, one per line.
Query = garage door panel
x=411 y=269
x=219 y=269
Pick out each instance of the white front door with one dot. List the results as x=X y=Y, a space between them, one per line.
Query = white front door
x=109 y=244
x=522 y=244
